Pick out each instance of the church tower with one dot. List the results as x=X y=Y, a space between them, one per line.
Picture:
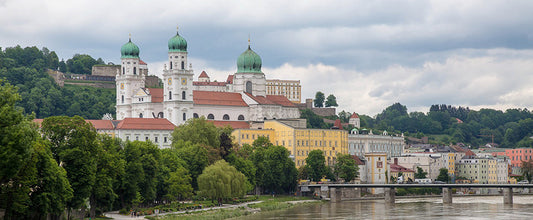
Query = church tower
x=177 y=78
x=128 y=80
x=249 y=77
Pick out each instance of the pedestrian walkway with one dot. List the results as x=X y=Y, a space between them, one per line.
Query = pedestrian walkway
x=115 y=215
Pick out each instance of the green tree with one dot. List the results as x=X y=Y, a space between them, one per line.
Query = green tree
x=319 y=99
x=179 y=184
x=420 y=173
x=443 y=175
x=195 y=157
x=331 y=101
x=16 y=132
x=74 y=145
x=221 y=181
x=110 y=167
x=198 y=131
x=141 y=171
x=346 y=168
x=316 y=165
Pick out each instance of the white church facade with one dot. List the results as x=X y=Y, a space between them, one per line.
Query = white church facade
x=243 y=97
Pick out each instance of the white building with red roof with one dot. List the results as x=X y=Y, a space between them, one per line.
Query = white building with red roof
x=241 y=98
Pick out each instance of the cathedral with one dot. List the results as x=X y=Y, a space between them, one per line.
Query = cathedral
x=241 y=98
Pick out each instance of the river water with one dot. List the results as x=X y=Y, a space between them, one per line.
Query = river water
x=472 y=207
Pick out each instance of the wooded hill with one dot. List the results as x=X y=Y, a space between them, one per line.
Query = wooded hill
x=26 y=69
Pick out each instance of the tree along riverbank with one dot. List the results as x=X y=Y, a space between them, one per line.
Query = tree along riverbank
x=262 y=204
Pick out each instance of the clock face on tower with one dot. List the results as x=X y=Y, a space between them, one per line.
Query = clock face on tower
x=122 y=86
x=183 y=81
x=169 y=81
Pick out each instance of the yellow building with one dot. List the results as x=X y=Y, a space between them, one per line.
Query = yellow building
x=288 y=88
x=298 y=139
x=492 y=172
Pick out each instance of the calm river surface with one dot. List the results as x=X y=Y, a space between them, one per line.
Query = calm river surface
x=479 y=207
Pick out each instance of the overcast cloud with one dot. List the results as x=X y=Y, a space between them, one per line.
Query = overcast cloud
x=370 y=54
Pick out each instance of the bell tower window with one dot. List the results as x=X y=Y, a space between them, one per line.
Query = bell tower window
x=123 y=70
x=249 y=87
x=170 y=64
x=183 y=95
x=169 y=95
x=134 y=70
x=122 y=99
x=182 y=65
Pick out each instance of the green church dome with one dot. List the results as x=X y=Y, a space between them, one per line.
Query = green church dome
x=177 y=44
x=249 y=62
x=129 y=50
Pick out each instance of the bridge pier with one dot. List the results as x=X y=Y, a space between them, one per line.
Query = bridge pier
x=390 y=195
x=446 y=195
x=335 y=194
x=508 y=195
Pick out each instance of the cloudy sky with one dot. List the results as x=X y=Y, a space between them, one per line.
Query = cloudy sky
x=369 y=54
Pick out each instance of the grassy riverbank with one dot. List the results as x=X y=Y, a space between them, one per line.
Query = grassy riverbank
x=266 y=203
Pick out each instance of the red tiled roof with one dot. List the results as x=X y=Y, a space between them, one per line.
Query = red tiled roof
x=217 y=98
x=196 y=83
x=338 y=124
x=229 y=80
x=145 y=124
x=102 y=124
x=470 y=153
x=260 y=99
x=142 y=62
x=354 y=115
x=203 y=75
x=38 y=121
x=399 y=168
x=280 y=100
x=357 y=160
x=157 y=94
x=233 y=124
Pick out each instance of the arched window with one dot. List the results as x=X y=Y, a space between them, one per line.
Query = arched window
x=195 y=115
x=140 y=115
x=249 y=87
x=211 y=116
x=160 y=115
x=183 y=95
x=122 y=99
x=134 y=70
x=184 y=116
x=225 y=117
x=170 y=64
x=169 y=95
x=182 y=65
x=240 y=118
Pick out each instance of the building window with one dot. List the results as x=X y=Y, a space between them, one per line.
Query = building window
x=123 y=70
x=169 y=95
x=134 y=71
x=140 y=115
x=241 y=118
x=182 y=65
x=136 y=138
x=211 y=117
x=184 y=116
x=225 y=117
x=195 y=115
x=249 y=87
x=170 y=64
x=183 y=95
x=160 y=115
x=155 y=139
x=145 y=138
x=165 y=139
x=122 y=99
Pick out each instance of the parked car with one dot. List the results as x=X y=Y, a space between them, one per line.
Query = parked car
x=438 y=182
x=523 y=182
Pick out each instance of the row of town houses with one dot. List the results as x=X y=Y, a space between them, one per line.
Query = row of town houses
x=380 y=157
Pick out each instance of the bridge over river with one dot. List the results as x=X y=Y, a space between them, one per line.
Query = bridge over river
x=335 y=189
